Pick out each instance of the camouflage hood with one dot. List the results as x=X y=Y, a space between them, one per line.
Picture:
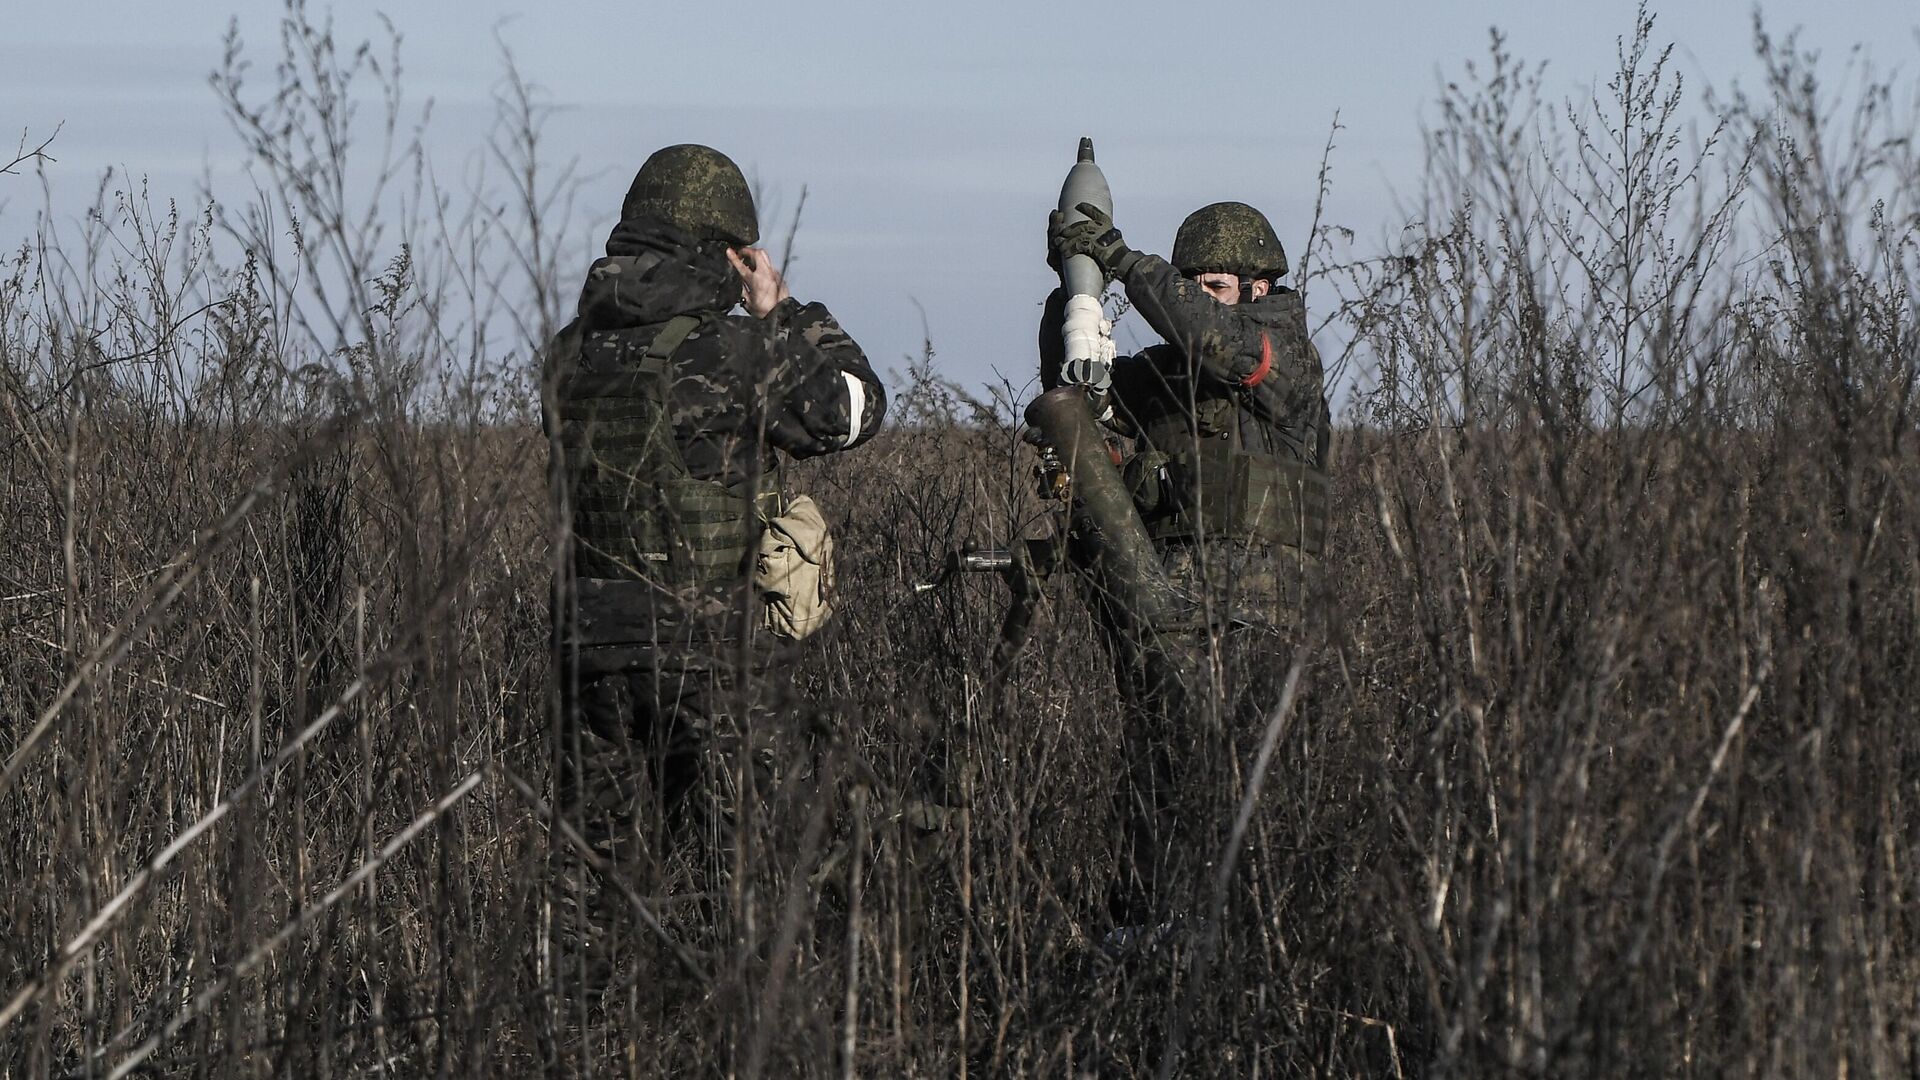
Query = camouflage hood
x=654 y=271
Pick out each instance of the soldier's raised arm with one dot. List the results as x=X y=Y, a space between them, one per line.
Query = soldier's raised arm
x=1224 y=343
x=823 y=394
x=1231 y=343
x=1263 y=347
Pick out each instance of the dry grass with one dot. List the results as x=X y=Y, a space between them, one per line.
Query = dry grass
x=1603 y=761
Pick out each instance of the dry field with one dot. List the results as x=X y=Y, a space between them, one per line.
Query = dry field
x=1604 y=762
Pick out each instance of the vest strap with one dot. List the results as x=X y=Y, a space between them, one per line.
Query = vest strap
x=671 y=337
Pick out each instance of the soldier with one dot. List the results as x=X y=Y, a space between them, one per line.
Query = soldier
x=1227 y=424
x=671 y=416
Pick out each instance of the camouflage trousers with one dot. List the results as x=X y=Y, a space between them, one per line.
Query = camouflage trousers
x=666 y=763
x=1197 y=699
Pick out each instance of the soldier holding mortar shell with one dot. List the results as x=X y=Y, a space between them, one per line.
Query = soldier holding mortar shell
x=1225 y=427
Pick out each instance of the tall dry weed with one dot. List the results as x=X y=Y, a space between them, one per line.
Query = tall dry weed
x=1601 y=763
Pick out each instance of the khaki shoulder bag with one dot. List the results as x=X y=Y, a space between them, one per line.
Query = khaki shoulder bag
x=793 y=570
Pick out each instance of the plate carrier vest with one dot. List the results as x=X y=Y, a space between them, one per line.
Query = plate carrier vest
x=1204 y=487
x=637 y=513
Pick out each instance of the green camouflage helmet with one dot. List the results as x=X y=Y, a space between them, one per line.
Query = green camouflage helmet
x=697 y=188
x=1228 y=238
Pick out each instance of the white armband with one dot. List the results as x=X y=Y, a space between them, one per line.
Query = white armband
x=856 y=406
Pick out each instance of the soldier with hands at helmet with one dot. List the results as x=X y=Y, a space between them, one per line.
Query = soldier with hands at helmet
x=671 y=416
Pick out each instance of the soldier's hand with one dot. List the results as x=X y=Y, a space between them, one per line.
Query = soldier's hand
x=761 y=287
x=1094 y=237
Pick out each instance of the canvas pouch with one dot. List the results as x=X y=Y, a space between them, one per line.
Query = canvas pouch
x=793 y=570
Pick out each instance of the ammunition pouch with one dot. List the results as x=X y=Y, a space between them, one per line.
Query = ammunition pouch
x=793 y=570
x=1216 y=491
x=1148 y=481
x=676 y=531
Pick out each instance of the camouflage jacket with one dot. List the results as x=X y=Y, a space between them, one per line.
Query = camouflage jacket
x=739 y=393
x=739 y=388
x=1245 y=369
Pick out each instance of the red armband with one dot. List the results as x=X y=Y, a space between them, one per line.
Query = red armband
x=1266 y=362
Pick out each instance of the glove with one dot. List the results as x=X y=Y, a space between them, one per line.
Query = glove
x=1094 y=237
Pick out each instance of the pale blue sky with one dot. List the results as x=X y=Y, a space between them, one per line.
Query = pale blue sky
x=932 y=138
